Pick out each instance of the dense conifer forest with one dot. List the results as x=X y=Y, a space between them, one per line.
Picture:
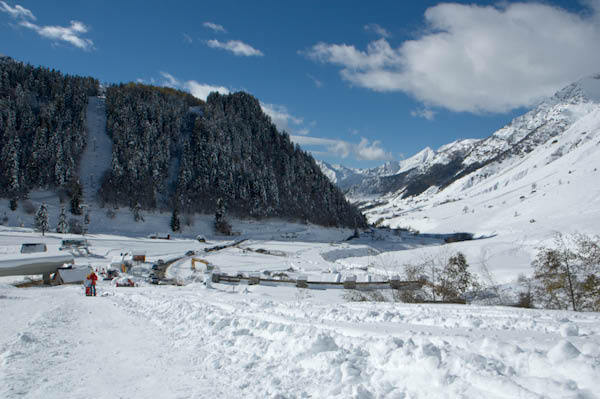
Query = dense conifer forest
x=42 y=127
x=170 y=150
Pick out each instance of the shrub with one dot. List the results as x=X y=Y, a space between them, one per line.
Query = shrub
x=364 y=296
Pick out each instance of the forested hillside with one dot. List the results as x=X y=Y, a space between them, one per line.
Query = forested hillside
x=171 y=150
x=42 y=127
x=147 y=125
x=237 y=154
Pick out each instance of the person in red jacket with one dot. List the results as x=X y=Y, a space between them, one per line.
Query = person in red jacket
x=93 y=278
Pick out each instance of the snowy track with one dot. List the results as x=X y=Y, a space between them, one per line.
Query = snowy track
x=97 y=156
x=192 y=342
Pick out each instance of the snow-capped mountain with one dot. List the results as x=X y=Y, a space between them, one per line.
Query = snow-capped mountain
x=472 y=161
x=393 y=174
x=535 y=176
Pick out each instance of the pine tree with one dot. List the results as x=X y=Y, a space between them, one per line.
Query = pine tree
x=76 y=194
x=221 y=224
x=13 y=204
x=62 y=226
x=86 y=220
x=137 y=212
x=175 y=223
x=41 y=219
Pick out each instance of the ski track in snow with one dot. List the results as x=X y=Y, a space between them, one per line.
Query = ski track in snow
x=192 y=342
x=97 y=157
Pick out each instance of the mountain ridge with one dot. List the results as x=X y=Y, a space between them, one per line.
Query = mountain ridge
x=549 y=119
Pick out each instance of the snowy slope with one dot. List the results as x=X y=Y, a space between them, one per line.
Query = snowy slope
x=97 y=157
x=520 y=202
x=556 y=176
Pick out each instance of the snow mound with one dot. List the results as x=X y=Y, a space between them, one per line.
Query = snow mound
x=562 y=352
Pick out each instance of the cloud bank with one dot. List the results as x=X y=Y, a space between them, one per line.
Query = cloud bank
x=478 y=59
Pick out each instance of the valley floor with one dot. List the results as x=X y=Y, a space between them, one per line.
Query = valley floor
x=191 y=341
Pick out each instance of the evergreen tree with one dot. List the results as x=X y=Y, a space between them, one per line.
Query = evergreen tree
x=175 y=223
x=13 y=204
x=137 y=212
x=42 y=126
x=41 y=219
x=221 y=224
x=62 y=226
x=76 y=194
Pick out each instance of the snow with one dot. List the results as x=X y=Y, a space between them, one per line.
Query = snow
x=168 y=341
x=517 y=203
x=97 y=157
x=278 y=341
x=196 y=340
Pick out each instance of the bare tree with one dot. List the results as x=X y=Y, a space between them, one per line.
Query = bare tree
x=568 y=274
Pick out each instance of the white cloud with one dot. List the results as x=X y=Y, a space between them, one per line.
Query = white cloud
x=283 y=119
x=201 y=90
x=478 y=59
x=316 y=81
x=187 y=38
x=17 y=11
x=70 y=34
x=364 y=150
x=377 y=29
x=371 y=151
x=170 y=80
x=424 y=113
x=214 y=27
x=236 y=47
x=198 y=90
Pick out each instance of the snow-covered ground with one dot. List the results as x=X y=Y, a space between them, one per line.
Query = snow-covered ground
x=257 y=341
x=519 y=203
x=192 y=342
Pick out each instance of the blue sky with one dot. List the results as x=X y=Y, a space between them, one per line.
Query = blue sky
x=354 y=82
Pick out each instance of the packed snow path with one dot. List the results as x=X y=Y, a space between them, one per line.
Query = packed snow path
x=97 y=156
x=192 y=342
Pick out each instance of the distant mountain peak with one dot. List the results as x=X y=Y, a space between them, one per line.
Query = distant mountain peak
x=432 y=171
